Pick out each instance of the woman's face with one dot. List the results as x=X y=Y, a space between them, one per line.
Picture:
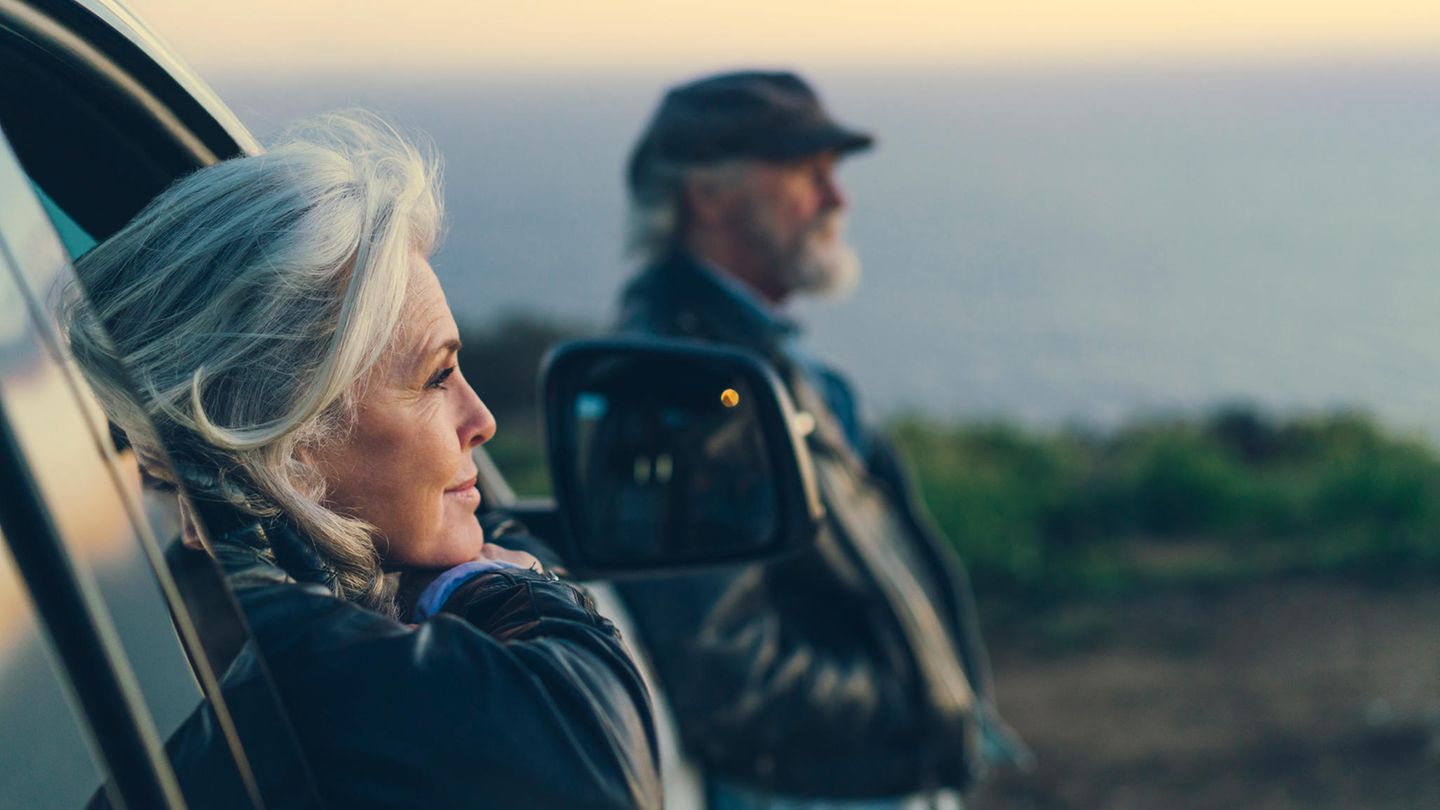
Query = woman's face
x=405 y=465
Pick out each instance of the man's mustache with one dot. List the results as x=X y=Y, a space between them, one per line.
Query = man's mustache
x=829 y=224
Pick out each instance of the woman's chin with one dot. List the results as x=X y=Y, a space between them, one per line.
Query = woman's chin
x=469 y=540
x=461 y=544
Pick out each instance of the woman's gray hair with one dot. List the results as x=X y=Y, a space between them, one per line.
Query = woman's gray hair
x=232 y=322
x=657 y=216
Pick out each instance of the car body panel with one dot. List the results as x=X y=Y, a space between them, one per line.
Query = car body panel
x=62 y=514
x=122 y=19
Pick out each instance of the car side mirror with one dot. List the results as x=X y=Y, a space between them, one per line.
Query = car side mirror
x=671 y=454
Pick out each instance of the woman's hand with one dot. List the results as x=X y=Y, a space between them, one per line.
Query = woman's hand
x=521 y=559
x=415 y=581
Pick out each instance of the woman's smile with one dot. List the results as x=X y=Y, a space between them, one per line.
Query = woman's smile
x=465 y=492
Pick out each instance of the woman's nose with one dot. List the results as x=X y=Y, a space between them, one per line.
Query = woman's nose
x=477 y=424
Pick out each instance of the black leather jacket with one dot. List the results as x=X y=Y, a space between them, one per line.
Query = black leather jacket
x=851 y=670
x=517 y=695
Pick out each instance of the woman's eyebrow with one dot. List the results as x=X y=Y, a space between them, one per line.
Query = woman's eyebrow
x=451 y=345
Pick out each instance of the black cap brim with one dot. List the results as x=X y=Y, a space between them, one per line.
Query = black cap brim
x=756 y=115
x=828 y=138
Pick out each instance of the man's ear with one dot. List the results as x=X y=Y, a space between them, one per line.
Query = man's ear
x=706 y=202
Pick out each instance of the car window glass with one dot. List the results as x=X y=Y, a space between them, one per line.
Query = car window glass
x=86 y=143
x=75 y=238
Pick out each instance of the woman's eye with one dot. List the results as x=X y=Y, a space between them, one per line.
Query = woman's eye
x=438 y=381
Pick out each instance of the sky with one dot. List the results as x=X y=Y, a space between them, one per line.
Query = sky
x=1086 y=244
x=565 y=36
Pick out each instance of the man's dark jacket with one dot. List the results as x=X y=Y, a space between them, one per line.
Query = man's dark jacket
x=851 y=670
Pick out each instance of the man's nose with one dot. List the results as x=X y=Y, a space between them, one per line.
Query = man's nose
x=832 y=197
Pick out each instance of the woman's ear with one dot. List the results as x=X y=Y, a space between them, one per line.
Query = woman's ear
x=305 y=456
x=308 y=472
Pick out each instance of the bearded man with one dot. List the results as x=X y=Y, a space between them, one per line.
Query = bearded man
x=852 y=674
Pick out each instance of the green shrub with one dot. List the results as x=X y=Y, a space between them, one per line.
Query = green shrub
x=1040 y=514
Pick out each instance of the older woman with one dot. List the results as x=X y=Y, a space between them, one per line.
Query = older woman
x=272 y=340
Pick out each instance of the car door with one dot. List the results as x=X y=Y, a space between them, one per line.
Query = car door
x=104 y=612
x=138 y=640
x=102 y=117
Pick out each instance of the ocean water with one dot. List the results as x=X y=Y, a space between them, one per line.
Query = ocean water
x=1054 y=246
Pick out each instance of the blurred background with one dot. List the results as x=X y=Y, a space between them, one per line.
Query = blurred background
x=1149 y=296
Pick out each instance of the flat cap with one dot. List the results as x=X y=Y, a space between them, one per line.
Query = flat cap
x=748 y=114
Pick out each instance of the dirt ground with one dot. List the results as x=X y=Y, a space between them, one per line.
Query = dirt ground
x=1289 y=695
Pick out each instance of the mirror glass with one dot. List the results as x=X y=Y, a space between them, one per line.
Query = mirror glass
x=672 y=461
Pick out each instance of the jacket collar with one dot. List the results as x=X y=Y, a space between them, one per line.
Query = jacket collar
x=725 y=308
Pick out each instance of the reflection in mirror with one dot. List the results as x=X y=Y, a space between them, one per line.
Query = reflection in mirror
x=672 y=463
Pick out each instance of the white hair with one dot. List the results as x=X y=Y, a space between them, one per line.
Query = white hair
x=657 y=217
x=231 y=322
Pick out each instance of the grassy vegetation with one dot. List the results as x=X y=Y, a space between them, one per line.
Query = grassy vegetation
x=1230 y=496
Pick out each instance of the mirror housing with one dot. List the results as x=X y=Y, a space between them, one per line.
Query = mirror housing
x=671 y=454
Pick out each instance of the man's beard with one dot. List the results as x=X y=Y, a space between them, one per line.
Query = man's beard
x=817 y=261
